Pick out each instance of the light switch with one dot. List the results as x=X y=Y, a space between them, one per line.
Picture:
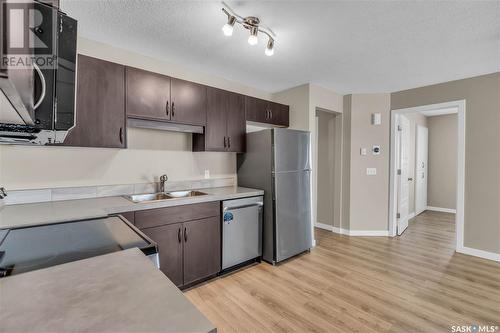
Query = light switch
x=363 y=151
x=376 y=118
x=371 y=171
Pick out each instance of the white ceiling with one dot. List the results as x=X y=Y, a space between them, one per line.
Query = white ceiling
x=348 y=46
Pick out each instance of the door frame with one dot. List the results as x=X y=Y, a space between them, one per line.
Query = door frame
x=399 y=178
x=459 y=217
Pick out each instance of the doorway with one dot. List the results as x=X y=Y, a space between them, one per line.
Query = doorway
x=411 y=182
x=328 y=161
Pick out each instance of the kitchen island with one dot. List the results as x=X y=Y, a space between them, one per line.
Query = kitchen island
x=118 y=292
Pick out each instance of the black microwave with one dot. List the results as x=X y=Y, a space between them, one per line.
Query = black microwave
x=37 y=73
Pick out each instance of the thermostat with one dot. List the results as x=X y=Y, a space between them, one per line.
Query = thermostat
x=376 y=150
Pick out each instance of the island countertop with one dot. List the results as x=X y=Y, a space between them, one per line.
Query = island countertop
x=24 y=215
x=118 y=292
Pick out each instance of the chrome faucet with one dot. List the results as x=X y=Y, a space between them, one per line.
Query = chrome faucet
x=163 y=179
x=3 y=192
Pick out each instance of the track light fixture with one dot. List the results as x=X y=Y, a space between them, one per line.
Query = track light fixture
x=252 y=24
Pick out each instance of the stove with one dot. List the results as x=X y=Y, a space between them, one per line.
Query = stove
x=30 y=248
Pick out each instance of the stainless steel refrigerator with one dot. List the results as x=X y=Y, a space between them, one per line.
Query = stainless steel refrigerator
x=278 y=161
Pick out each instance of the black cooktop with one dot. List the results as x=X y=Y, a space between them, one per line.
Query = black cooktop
x=30 y=248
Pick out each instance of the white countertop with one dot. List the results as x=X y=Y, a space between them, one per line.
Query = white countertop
x=118 y=292
x=13 y=216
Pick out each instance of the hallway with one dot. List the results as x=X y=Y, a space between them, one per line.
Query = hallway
x=412 y=283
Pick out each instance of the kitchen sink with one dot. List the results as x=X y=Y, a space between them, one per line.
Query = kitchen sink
x=184 y=194
x=163 y=196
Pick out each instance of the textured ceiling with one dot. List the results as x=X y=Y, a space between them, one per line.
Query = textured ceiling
x=348 y=46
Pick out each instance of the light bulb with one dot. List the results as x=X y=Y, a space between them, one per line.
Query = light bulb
x=227 y=29
x=269 y=48
x=253 y=40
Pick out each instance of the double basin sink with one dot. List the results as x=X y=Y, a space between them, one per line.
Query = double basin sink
x=163 y=196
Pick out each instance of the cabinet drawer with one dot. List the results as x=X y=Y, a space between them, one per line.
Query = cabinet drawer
x=161 y=216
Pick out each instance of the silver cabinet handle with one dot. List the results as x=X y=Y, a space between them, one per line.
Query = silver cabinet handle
x=44 y=87
x=257 y=204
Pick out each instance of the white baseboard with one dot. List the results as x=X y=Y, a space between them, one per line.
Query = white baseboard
x=479 y=253
x=340 y=231
x=411 y=215
x=377 y=233
x=324 y=226
x=360 y=232
x=351 y=232
x=443 y=210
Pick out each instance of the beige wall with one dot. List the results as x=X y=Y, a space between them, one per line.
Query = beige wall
x=150 y=153
x=369 y=194
x=415 y=120
x=442 y=181
x=482 y=150
x=298 y=99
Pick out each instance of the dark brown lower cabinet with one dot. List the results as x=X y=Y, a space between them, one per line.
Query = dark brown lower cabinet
x=169 y=241
x=188 y=239
x=202 y=253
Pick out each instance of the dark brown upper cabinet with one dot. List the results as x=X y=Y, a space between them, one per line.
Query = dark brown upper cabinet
x=100 y=105
x=158 y=97
x=262 y=111
x=225 y=128
x=148 y=94
x=189 y=102
x=279 y=114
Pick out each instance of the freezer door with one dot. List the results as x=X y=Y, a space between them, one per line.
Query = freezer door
x=292 y=150
x=292 y=213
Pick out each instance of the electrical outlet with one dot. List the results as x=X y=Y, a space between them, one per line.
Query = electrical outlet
x=371 y=171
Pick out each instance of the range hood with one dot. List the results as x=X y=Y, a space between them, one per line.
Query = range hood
x=37 y=81
x=163 y=126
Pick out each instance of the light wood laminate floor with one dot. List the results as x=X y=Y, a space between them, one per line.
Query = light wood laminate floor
x=412 y=283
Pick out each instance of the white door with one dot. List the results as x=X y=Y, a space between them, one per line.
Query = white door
x=422 y=147
x=404 y=159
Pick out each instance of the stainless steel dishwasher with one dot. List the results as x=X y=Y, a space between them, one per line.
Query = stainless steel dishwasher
x=241 y=231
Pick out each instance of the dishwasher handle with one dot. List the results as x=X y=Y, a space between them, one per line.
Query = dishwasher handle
x=256 y=204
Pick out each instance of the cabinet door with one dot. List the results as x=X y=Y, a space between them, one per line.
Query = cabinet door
x=279 y=114
x=169 y=241
x=100 y=107
x=202 y=249
x=148 y=94
x=215 y=130
x=189 y=102
x=256 y=109
x=236 y=124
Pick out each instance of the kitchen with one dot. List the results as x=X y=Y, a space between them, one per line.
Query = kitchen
x=193 y=229
x=207 y=166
